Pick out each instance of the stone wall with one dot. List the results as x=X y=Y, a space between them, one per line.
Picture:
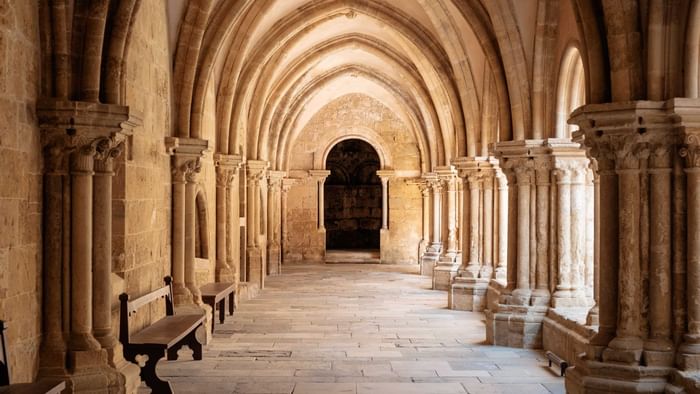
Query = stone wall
x=142 y=185
x=20 y=186
x=396 y=143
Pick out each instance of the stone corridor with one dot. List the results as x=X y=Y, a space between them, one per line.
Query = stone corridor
x=356 y=328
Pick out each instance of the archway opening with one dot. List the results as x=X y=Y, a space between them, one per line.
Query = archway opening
x=353 y=197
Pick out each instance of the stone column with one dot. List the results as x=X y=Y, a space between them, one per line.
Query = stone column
x=473 y=264
x=502 y=252
x=107 y=150
x=320 y=177
x=593 y=318
x=627 y=345
x=190 y=217
x=689 y=351
x=658 y=347
x=425 y=239
x=523 y=174
x=385 y=176
x=540 y=294
x=274 y=249
x=578 y=231
x=186 y=153
x=255 y=171
x=447 y=266
x=436 y=244
x=81 y=170
x=226 y=190
x=487 y=266
x=53 y=346
x=286 y=185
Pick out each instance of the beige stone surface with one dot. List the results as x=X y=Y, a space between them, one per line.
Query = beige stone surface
x=20 y=186
x=357 y=329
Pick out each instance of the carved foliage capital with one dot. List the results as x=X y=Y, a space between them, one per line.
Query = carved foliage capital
x=186 y=170
x=690 y=150
x=225 y=176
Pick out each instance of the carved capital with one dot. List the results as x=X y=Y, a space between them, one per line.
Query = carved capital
x=186 y=170
x=225 y=176
x=690 y=150
x=108 y=149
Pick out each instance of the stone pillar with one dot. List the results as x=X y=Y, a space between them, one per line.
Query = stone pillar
x=689 y=351
x=255 y=172
x=274 y=249
x=425 y=239
x=186 y=153
x=107 y=150
x=81 y=170
x=433 y=245
x=286 y=185
x=541 y=294
x=385 y=203
x=487 y=266
x=77 y=263
x=447 y=265
x=385 y=233
x=226 y=192
x=502 y=252
x=473 y=267
x=524 y=175
x=190 y=218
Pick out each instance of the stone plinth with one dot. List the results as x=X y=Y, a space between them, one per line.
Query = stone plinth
x=468 y=294
x=593 y=377
x=443 y=274
x=515 y=326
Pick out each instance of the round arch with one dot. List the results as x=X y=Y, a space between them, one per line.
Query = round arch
x=360 y=133
x=571 y=89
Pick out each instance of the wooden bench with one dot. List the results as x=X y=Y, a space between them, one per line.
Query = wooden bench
x=167 y=335
x=563 y=365
x=215 y=293
x=48 y=386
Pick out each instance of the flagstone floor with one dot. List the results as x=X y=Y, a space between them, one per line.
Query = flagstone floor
x=356 y=329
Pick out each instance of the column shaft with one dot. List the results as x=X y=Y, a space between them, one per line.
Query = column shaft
x=190 y=217
x=522 y=292
x=81 y=337
x=181 y=292
x=541 y=291
x=385 y=203
x=487 y=266
x=502 y=253
x=563 y=289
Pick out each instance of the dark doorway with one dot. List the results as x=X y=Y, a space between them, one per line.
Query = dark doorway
x=353 y=197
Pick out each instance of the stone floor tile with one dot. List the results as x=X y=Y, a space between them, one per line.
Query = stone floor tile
x=355 y=329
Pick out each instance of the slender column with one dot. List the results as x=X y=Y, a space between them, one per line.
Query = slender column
x=190 y=217
x=542 y=177
x=226 y=174
x=502 y=253
x=689 y=351
x=487 y=266
x=437 y=222
x=578 y=231
x=474 y=265
x=286 y=185
x=563 y=288
x=53 y=344
x=321 y=180
x=660 y=300
x=181 y=292
x=593 y=318
x=257 y=209
x=591 y=246
x=250 y=209
x=82 y=165
x=627 y=345
x=522 y=292
x=385 y=203
x=107 y=150
x=452 y=248
x=425 y=193
x=233 y=251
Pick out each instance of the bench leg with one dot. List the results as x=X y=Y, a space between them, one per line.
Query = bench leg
x=230 y=304
x=191 y=341
x=222 y=308
x=148 y=374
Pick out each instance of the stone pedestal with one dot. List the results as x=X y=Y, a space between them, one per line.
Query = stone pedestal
x=468 y=294
x=515 y=326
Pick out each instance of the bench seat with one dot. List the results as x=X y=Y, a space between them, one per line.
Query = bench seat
x=167 y=331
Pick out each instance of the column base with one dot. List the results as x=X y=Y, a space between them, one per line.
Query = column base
x=688 y=356
x=181 y=294
x=684 y=382
x=90 y=373
x=274 y=260
x=467 y=294
x=626 y=350
x=595 y=377
x=255 y=264
x=515 y=326
x=559 y=301
x=540 y=297
x=428 y=262
x=444 y=273
x=204 y=335
x=226 y=275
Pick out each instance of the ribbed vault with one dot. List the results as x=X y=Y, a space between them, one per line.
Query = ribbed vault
x=274 y=65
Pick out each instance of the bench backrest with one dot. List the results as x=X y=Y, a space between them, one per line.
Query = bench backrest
x=4 y=363
x=128 y=307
